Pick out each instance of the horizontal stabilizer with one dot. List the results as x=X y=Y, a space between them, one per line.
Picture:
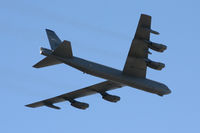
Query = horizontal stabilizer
x=64 y=50
x=48 y=61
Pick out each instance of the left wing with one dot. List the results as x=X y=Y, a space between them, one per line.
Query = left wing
x=135 y=63
x=97 y=88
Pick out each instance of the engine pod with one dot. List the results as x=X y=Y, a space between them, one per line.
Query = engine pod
x=155 y=65
x=79 y=105
x=156 y=46
x=110 y=98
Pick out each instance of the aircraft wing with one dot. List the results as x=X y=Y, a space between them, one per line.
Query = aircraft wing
x=97 y=88
x=135 y=64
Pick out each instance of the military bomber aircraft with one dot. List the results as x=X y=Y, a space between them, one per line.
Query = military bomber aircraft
x=133 y=73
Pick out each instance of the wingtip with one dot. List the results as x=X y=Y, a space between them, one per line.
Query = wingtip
x=145 y=15
x=28 y=105
x=35 y=66
x=48 y=30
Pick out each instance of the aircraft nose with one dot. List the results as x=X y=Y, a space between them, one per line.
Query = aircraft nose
x=167 y=90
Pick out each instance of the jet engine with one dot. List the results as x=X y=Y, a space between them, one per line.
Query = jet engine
x=155 y=65
x=110 y=98
x=79 y=105
x=155 y=46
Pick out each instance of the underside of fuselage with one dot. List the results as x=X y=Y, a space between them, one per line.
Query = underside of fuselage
x=133 y=74
x=115 y=75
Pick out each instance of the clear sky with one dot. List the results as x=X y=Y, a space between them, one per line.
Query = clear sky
x=100 y=31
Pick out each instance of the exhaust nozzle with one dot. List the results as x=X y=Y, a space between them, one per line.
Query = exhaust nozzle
x=45 y=51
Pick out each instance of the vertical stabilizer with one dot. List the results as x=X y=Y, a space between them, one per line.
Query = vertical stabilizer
x=54 y=40
x=59 y=49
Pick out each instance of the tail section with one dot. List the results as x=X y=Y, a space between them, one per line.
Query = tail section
x=47 y=61
x=64 y=50
x=59 y=49
x=54 y=40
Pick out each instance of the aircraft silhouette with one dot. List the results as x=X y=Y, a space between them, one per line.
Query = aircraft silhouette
x=133 y=73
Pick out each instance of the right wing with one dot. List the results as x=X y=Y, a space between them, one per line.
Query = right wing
x=135 y=64
x=97 y=88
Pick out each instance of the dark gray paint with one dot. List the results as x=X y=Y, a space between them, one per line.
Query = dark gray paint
x=133 y=74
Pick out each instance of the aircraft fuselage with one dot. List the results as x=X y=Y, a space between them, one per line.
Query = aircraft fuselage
x=115 y=75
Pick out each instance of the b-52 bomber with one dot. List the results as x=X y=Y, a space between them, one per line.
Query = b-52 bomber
x=132 y=75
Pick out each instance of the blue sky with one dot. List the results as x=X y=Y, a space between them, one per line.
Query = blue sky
x=100 y=31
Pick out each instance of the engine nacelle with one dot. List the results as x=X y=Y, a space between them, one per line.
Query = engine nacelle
x=110 y=98
x=155 y=65
x=156 y=46
x=79 y=105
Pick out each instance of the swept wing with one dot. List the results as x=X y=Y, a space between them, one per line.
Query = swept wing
x=97 y=88
x=136 y=61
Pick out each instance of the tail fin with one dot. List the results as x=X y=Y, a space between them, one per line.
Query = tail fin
x=64 y=50
x=60 y=49
x=54 y=40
